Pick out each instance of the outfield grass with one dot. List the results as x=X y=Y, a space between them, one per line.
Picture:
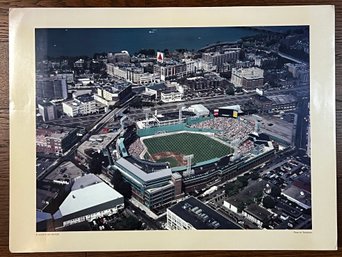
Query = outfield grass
x=202 y=147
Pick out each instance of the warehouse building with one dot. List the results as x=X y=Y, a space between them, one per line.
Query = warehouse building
x=90 y=198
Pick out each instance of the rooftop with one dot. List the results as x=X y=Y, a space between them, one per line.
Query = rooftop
x=85 y=98
x=84 y=181
x=157 y=86
x=282 y=99
x=98 y=142
x=258 y=212
x=115 y=87
x=88 y=197
x=65 y=172
x=137 y=171
x=249 y=73
x=302 y=197
x=53 y=131
x=200 y=216
x=45 y=104
x=174 y=115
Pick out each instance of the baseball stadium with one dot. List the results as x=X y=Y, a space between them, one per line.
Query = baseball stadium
x=165 y=156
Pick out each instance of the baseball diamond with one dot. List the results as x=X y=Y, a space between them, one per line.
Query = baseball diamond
x=172 y=148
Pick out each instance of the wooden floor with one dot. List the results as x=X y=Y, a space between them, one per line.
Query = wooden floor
x=4 y=118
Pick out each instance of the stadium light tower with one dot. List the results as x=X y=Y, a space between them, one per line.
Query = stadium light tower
x=147 y=112
x=257 y=126
x=188 y=159
x=180 y=108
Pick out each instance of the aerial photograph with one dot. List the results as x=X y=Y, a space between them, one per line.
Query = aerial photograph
x=196 y=128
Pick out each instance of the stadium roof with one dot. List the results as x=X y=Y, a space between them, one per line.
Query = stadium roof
x=200 y=216
x=87 y=197
x=138 y=172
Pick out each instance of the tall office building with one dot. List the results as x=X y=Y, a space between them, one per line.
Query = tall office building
x=47 y=110
x=51 y=88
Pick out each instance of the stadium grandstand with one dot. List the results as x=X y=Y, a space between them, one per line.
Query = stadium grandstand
x=164 y=160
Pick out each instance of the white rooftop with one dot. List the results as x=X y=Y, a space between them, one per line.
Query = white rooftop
x=138 y=172
x=250 y=73
x=88 y=197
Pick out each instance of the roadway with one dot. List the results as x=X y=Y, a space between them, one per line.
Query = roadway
x=214 y=102
x=302 y=125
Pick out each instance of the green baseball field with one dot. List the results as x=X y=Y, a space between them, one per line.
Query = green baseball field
x=172 y=148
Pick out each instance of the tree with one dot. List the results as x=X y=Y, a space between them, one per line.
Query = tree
x=230 y=90
x=116 y=179
x=243 y=180
x=129 y=223
x=240 y=206
x=95 y=165
x=255 y=175
x=120 y=185
x=231 y=189
x=258 y=196
x=268 y=202
x=275 y=191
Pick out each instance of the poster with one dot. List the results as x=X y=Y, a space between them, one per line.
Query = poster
x=189 y=133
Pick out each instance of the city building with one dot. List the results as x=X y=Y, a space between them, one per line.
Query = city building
x=218 y=58
x=47 y=110
x=151 y=182
x=114 y=94
x=275 y=103
x=205 y=83
x=63 y=174
x=248 y=78
x=68 y=76
x=121 y=57
x=192 y=66
x=169 y=69
x=269 y=62
x=55 y=139
x=96 y=143
x=156 y=89
x=192 y=214
x=147 y=78
x=257 y=214
x=283 y=102
x=90 y=198
x=51 y=89
x=128 y=72
x=81 y=105
x=171 y=95
x=79 y=63
x=298 y=195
